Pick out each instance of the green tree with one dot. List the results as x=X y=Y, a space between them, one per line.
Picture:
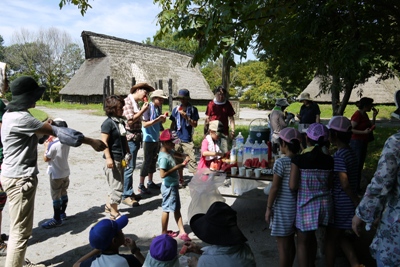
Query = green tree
x=49 y=56
x=173 y=42
x=1 y=48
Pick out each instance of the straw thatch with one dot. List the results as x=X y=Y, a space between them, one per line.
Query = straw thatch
x=122 y=60
x=381 y=91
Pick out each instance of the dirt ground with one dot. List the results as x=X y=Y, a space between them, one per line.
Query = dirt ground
x=63 y=245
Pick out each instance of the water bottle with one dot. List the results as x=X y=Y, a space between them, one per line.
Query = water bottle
x=233 y=155
x=263 y=151
x=247 y=150
x=255 y=150
x=239 y=140
x=239 y=156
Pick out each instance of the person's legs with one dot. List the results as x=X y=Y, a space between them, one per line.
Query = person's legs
x=164 y=222
x=128 y=173
x=223 y=144
x=155 y=148
x=21 y=194
x=360 y=149
x=306 y=246
x=348 y=250
x=3 y=199
x=115 y=180
x=188 y=148
x=287 y=250
x=331 y=237
x=147 y=158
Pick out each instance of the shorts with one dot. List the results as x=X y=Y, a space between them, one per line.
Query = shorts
x=188 y=149
x=115 y=180
x=171 y=200
x=150 y=150
x=3 y=198
x=58 y=187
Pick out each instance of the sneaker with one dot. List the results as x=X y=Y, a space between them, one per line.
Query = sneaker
x=52 y=223
x=143 y=189
x=130 y=201
x=63 y=216
x=152 y=185
x=28 y=263
x=136 y=197
x=3 y=249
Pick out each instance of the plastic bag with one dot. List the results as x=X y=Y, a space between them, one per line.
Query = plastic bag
x=241 y=186
x=204 y=191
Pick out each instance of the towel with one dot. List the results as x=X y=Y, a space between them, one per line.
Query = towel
x=219 y=103
x=121 y=125
x=180 y=120
x=211 y=147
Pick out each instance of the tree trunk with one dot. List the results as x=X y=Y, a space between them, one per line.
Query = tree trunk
x=335 y=91
x=226 y=72
x=347 y=93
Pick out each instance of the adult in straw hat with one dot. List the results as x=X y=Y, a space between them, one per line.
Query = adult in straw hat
x=381 y=203
x=309 y=113
x=133 y=113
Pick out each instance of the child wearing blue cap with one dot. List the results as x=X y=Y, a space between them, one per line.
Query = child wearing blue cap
x=106 y=237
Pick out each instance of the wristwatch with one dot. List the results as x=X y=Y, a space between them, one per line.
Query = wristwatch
x=134 y=250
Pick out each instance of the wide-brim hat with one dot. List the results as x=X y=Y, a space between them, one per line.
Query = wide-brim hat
x=145 y=86
x=102 y=234
x=282 y=102
x=304 y=96
x=158 y=93
x=25 y=92
x=218 y=226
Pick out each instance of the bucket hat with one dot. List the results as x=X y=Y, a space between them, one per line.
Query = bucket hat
x=102 y=234
x=60 y=122
x=216 y=126
x=183 y=93
x=282 y=102
x=305 y=96
x=168 y=135
x=25 y=92
x=158 y=93
x=218 y=226
x=316 y=130
x=288 y=134
x=340 y=124
x=145 y=86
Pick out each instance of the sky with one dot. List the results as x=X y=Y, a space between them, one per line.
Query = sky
x=129 y=19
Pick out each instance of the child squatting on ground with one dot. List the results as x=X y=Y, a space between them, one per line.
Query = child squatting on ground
x=281 y=209
x=170 y=183
x=56 y=155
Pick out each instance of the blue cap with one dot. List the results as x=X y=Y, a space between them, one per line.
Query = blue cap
x=163 y=248
x=102 y=234
x=183 y=93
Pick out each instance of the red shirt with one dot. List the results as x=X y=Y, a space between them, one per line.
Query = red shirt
x=221 y=113
x=363 y=123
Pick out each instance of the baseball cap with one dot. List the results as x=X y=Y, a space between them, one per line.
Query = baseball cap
x=288 y=134
x=164 y=248
x=102 y=234
x=316 y=130
x=168 y=135
x=340 y=124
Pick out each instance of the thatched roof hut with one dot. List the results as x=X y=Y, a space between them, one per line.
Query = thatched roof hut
x=122 y=60
x=381 y=91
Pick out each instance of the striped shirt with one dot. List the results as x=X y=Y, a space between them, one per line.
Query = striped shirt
x=343 y=208
x=284 y=208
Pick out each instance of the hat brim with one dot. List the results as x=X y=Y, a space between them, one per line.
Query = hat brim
x=145 y=86
x=214 y=234
x=182 y=97
x=159 y=96
x=25 y=101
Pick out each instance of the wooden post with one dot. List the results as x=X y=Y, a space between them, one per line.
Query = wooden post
x=170 y=95
x=112 y=86
x=155 y=85
x=104 y=92
x=108 y=85
x=133 y=81
x=160 y=84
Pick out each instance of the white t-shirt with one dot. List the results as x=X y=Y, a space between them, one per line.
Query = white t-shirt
x=58 y=164
x=19 y=144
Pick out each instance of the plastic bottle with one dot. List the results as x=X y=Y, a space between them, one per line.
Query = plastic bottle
x=239 y=140
x=247 y=150
x=255 y=150
x=233 y=155
x=239 y=156
x=263 y=151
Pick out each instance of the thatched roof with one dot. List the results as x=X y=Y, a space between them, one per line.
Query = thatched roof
x=382 y=92
x=123 y=59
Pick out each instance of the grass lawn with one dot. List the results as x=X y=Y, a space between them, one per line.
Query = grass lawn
x=374 y=148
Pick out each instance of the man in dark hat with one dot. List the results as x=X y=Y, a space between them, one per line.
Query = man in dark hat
x=184 y=118
x=19 y=135
x=133 y=114
x=228 y=246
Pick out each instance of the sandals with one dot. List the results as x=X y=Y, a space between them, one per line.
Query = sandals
x=115 y=217
x=172 y=233
x=107 y=209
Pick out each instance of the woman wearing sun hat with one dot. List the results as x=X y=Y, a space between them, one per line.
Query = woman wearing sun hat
x=309 y=113
x=228 y=246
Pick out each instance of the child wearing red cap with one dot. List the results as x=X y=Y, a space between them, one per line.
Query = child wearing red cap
x=170 y=183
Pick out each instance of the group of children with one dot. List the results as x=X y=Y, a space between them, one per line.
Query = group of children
x=312 y=189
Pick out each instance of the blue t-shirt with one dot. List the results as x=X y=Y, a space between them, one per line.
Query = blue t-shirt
x=152 y=133
x=167 y=162
x=111 y=260
x=185 y=131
